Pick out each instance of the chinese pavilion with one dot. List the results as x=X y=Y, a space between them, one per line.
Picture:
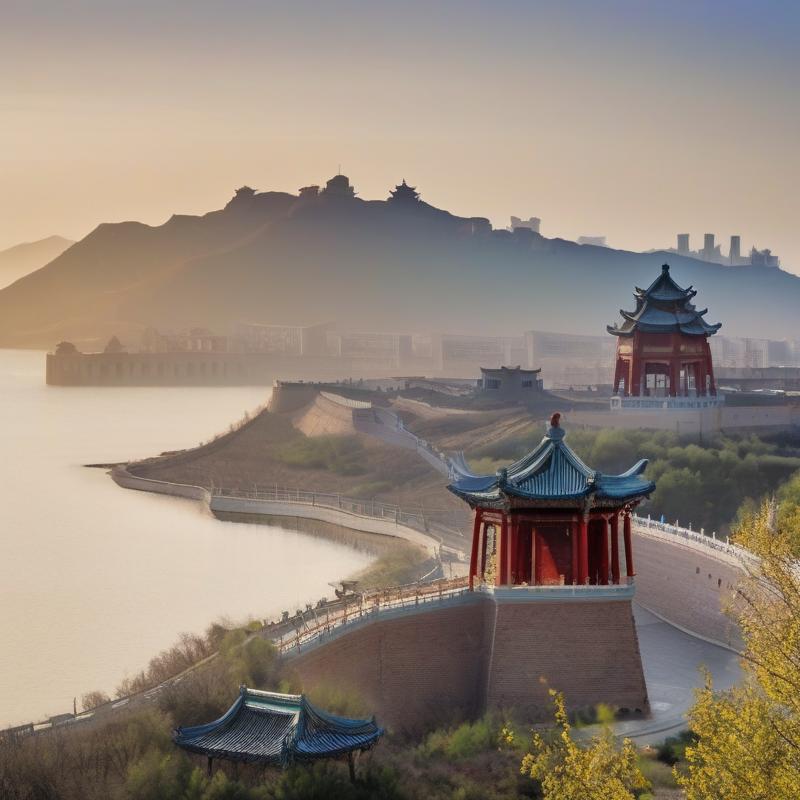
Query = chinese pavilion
x=277 y=729
x=548 y=519
x=662 y=349
x=403 y=193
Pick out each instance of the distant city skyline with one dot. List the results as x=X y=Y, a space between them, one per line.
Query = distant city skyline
x=632 y=121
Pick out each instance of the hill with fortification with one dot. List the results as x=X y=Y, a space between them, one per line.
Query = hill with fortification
x=329 y=256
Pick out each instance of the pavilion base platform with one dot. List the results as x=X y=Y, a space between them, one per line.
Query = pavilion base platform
x=494 y=648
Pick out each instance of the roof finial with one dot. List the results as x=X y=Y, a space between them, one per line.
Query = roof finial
x=502 y=477
x=555 y=431
x=665 y=268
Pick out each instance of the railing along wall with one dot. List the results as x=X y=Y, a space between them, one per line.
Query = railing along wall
x=712 y=545
x=420 y=519
x=290 y=635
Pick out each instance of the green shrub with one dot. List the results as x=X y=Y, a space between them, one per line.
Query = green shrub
x=343 y=455
x=465 y=741
x=673 y=749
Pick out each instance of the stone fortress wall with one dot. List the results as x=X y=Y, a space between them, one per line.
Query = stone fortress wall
x=429 y=666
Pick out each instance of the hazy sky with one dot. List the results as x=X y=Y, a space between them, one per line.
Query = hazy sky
x=627 y=118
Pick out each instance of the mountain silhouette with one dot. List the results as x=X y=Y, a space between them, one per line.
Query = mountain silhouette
x=22 y=259
x=399 y=265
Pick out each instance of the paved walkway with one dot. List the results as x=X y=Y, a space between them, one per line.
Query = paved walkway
x=672 y=660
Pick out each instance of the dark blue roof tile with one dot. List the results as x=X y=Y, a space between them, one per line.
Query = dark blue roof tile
x=271 y=728
x=550 y=472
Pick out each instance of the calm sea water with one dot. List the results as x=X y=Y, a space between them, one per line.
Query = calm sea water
x=95 y=579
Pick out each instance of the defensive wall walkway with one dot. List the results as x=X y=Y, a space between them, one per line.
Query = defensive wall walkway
x=672 y=582
x=683 y=576
x=439 y=532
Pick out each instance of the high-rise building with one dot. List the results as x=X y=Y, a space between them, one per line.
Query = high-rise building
x=735 y=252
x=683 y=242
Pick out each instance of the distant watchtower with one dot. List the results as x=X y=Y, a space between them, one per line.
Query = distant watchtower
x=403 y=193
x=662 y=349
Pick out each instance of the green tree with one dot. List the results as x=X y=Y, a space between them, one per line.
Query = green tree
x=596 y=770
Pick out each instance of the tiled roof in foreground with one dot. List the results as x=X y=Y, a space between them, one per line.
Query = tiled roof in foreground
x=664 y=307
x=272 y=728
x=551 y=472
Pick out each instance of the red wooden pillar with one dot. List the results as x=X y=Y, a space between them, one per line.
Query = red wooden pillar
x=484 y=545
x=615 y=547
x=712 y=389
x=501 y=568
x=628 y=544
x=583 y=551
x=575 y=557
x=604 y=554
x=513 y=550
x=473 y=558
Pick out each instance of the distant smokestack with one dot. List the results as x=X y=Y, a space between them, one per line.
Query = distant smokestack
x=683 y=242
x=735 y=251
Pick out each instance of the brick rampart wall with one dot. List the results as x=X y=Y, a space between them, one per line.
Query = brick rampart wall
x=587 y=650
x=431 y=667
x=419 y=670
x=687 y=587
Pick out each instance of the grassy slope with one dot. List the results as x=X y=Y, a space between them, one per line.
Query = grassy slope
x=269 y=451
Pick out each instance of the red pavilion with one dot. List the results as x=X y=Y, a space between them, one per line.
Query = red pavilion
x=662 y=350
x=551 y=520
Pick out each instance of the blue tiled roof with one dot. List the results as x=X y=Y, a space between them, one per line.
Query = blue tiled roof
x=552 y=472
x=664 y=307
x=271 y=728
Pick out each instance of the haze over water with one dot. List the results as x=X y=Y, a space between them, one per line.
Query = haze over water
x=95 y=579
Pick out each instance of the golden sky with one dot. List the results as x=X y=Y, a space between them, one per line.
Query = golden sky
x=635 y=120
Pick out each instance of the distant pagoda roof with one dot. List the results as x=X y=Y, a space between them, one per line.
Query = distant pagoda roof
x=664 y=307
x=404 y=192
x=509 y=371
x=551 y=472
x=271 y=728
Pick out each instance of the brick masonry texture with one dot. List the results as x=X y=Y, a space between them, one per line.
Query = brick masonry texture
x=438 y=666
x=687 y=587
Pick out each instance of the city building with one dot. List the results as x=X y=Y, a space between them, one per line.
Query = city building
x=531 y=224
x=195 y=340
x=339 y=186
x=569 y=359
x=595 y=241
x=465 y=355
x=662 y=345
x=290 y=340
x=734 y=252
x=712 y=252
x=510 y=383
x=763 y=258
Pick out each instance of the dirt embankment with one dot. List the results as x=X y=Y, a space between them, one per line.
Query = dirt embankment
x=270 y=450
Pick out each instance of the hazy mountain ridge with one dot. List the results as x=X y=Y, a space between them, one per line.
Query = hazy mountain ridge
x=22 y=259
x=277 y=257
